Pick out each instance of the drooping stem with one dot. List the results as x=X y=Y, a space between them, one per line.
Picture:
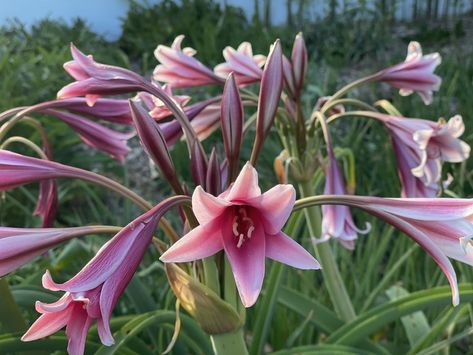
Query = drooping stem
x=229 y=343
x=332 y=278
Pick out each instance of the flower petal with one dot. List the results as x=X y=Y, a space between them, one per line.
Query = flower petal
x=284 y=249
x=47 y=324
x=275 y=206
x=201 y=242
x=245 y=186
x=247 y=263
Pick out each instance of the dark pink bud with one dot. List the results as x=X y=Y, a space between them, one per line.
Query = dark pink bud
x=231 y=118
x=269 y=96
x=214 y=179
x=299 y=61
x=288 y=77
x=154 y=143
x=198 y=166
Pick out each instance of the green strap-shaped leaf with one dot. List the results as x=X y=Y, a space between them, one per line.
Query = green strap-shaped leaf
x=191 y=333
x=415 y=324
x=323 y=349
x=368 y=322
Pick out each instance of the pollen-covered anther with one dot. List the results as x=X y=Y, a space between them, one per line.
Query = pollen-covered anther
x=242 y=226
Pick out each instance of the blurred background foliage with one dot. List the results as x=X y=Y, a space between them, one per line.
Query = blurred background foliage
x=344 y=44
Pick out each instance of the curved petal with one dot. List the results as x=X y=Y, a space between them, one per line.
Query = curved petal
x=47 y=324
x=284 y=249
x=201 y=242
x=245 y=186
x=76 y=330
x=207 y=207
x=275 y=207
x=247 y=262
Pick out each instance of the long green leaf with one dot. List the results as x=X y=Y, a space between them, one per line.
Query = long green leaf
x=323 y=349
x=415 y=324
x=198 y=342
x=367 y=323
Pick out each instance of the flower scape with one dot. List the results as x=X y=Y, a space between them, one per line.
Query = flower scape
x=215 y=254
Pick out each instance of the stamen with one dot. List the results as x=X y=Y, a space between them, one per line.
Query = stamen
x=250 y=231
x=235 y=226
x=240 y=240
x=243 y=212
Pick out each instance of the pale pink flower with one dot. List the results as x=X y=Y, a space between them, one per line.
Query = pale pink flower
x=416 y=73
x=245 y=66
x=112 y=110
x=95 y=79
x=158 y=109
x=20 y=245
x=337 y=221
x=421 y=146
x=442 y=226
x=92 y=294
x=179 y=68
x=247 y=225
x=95 y=134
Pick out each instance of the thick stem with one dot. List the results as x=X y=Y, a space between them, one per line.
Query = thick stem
x=229 y=343
x=332 y=278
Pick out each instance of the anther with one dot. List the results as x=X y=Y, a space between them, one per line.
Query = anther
x=240 y=240
x=250 y=231
x=235 y=226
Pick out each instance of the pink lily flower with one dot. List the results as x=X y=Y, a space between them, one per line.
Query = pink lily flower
x=416 y=73
x=21 y=245
x=421 y=146
x=442 y=226
x=247 y=226
x=92 y=294
x=337 y=220
x=245 y=66
x=112 y=110
x=96 y=135
x=96 y=79
x=158 y=109
x=179 y=68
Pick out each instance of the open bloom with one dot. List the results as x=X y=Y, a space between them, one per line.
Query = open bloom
x=421 y=146
x=247 y=225
x=92 y=294
x=179 y=68
x=95 y=79
x=112 y=110
x=158 y=109
x=442 y=226
x=20 y=245
x=416 y=73
x=337 y=221
x=245 y=66
x=96 y=135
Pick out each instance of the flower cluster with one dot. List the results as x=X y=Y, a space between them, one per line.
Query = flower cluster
x=227 y=211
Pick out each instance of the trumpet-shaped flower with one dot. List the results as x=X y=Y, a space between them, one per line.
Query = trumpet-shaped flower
x=20 y=245
x=245 y=66
x=337 y=221
x=94 y=134
x=92 y=294
x=95 y=79
x=421 y=146
x=179 y=68
x=247 y=226
x=416 y=73
x=442 y=226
